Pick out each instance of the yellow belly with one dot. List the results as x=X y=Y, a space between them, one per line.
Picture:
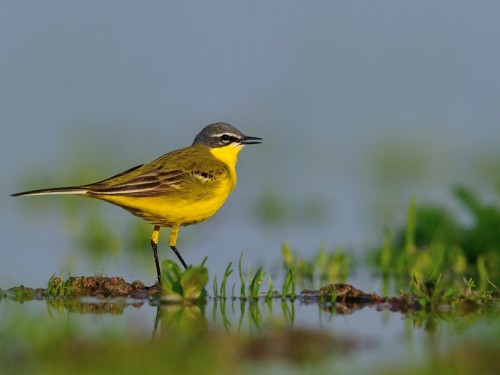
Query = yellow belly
x=175 y=209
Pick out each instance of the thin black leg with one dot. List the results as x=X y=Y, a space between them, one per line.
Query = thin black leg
x=157 y=263
x=179 y=256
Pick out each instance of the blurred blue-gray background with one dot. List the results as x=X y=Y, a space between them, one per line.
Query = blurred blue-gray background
x=361 y=106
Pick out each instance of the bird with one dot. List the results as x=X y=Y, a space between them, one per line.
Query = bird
x=182 y=187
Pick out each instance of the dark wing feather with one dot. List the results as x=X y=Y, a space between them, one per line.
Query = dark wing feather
x=149 y=183
x=166 y=175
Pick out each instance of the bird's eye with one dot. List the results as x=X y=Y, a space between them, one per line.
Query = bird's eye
x=225 y=138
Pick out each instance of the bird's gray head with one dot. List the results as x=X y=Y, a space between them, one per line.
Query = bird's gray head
x=223 y=134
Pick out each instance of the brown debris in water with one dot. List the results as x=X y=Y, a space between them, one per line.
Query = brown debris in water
x=349 y=299
x=342 y=292
x=102 y=287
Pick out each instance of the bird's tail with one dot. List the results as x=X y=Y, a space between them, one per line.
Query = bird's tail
x=61 y=190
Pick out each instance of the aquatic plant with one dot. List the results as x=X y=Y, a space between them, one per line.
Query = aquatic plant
x=183 y=286
x=57 y=287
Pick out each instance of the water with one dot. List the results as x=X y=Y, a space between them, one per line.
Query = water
x=366 y=339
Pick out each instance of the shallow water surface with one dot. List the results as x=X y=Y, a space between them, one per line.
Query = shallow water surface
x=350 y=337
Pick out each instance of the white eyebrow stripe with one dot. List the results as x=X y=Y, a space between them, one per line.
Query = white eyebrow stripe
x=226 y=133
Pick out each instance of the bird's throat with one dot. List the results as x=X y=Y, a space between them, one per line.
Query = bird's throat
x=229 y=156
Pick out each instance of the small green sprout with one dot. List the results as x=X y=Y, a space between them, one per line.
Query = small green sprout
x=242 y=278
x=227 y=273
x=58 y=288
x=254 y=287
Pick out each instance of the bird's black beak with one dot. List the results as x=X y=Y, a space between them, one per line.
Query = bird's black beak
x=250 y=140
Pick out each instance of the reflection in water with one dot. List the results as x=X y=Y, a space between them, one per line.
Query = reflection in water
x=175 y=318
x=234 y=316
x=110 y=306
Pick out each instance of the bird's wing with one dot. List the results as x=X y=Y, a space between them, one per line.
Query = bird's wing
x=139 y=183
x=162 y=177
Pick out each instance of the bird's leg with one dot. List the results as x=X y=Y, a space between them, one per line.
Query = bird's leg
x=154 y=244
x=179 y=256
x=173 y=240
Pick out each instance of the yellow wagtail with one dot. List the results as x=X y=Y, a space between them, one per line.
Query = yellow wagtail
x=180 y=188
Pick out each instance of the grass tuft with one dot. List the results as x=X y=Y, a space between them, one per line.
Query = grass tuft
x=58 y=288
